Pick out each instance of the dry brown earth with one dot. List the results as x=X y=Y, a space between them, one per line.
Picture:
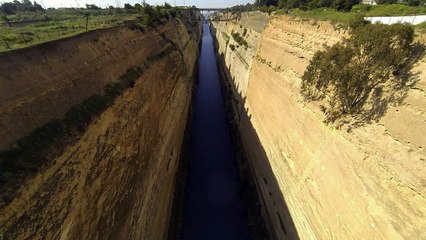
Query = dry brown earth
x=117 y=180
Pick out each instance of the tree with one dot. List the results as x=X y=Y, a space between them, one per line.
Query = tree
x=348 y=73
x=167 y=5
x=289 y=4
x=9 y=8
x=27 y=2
x=128 y=6
x=38 y=7
x=344 y=5
x=386 y=1
x=92 y=7
x=266 y=3
x=138 y=6
x=413 y=2
x=17 y=6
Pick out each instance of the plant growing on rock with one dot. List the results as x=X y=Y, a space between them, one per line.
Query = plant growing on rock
x=350 y=73
x=240 y=40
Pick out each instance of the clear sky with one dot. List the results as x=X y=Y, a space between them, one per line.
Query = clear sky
x=103 y=3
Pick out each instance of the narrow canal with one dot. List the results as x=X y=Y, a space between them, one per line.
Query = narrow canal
x=213 y=207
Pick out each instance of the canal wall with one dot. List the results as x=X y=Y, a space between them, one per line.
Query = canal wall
x=115 y=177
x=316 y=181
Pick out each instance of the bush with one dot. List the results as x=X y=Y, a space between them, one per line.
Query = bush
x=226 y=37
x=361 y=8
x=138 y=26
x=348 y=72
x=421 y=27
x=240 y=40
x=271 y=9
x=244 y=32
x=232 y=47
x=358 y=21
x=343 y=5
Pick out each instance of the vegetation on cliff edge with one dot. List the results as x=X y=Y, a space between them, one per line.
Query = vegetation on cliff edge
x=29 y=25
x=354 y=76
x=240 y=40
x=31 y=151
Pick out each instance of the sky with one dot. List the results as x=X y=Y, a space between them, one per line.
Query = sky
x=104 y=3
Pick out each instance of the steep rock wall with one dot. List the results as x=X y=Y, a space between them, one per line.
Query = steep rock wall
x=117 y=180
x=41 y=83
x=318 y=182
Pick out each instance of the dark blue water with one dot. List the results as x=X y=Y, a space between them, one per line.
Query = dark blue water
x=213 y=207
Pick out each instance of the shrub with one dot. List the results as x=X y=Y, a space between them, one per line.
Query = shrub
x=421 y=27
x=271 y=9
x=244 y=32
x=138 y=26
x=146 y=20
x=226 y=37
x=240 y=40
x=348 y=72
x=361 y=8
x=358 y=21
x=232 y=46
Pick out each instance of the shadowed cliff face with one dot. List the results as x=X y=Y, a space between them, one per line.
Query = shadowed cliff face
x=35 y=79
x=116 y=179
x=333 y=183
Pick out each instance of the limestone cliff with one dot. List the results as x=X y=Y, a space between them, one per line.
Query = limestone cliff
x=318 y=182
x=116 y=180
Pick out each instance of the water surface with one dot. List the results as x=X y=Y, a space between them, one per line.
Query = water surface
x=213 y=208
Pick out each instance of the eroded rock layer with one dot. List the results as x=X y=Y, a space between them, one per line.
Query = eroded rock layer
x=116 y=181
x=316 y=181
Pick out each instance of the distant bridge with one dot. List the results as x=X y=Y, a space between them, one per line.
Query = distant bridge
x=226 y=14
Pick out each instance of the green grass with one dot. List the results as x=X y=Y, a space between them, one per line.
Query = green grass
x=55 y=24
x=325 y=14
x=421 y=27
x=366 y=10
x=389 y=10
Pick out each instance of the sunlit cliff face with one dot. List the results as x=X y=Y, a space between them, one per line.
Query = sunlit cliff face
x=333 y=182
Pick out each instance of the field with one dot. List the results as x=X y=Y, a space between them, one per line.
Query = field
x=325 y=14
x=27 y=29
x=364 y=10
x=389 y=10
